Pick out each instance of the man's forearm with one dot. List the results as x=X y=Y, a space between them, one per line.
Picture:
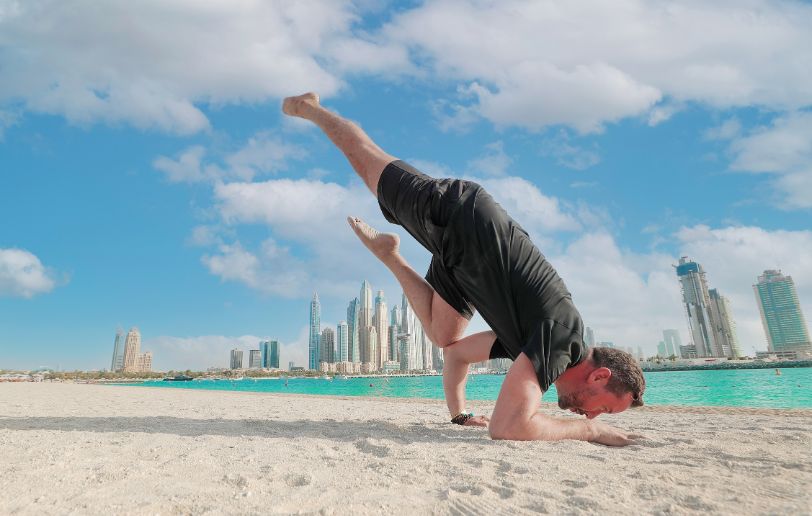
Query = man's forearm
x=545 y=428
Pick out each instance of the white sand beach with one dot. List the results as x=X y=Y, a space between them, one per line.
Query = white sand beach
x=92 y=449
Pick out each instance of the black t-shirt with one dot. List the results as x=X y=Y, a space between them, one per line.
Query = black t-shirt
x=483 y=260
x=489 y=263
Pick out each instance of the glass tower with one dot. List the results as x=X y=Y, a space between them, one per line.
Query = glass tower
x=781 y=314
x=315 y=333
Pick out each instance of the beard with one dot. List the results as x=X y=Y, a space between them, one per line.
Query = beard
x=575 y=399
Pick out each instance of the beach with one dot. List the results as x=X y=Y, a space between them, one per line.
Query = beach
x=99 y=449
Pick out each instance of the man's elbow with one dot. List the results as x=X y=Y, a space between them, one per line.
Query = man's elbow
x=499 y=432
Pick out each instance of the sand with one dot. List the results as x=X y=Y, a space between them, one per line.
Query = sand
x=93 y=449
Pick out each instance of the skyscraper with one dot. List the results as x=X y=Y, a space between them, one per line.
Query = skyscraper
x=781 y=315
x=315 y=331
x=236 y=359
x=706 y=330
x=264 y=353
x=269 y=354
x=342 y=337
x=366 y=311
x=132 y=348
x=274 y=354
x=672 y=342
x=724 y=327
x=118 y=352
x=394 y=330
x=589 y=337
x=327 y=346
x=380 y=320
x=353 y=351
x=254 y=359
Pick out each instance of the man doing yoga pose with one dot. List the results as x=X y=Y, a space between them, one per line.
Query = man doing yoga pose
x=483 y=260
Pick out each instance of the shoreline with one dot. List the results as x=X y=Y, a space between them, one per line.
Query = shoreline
x=666 y=409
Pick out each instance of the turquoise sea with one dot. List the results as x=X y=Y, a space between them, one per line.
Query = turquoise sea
x=732 y=388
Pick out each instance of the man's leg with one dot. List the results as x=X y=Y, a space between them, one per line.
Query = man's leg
x=442 y=323
x=364 y=155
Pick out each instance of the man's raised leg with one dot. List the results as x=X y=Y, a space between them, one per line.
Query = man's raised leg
x=364 y=155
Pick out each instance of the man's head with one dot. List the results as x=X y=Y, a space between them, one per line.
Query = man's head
x=609 y=381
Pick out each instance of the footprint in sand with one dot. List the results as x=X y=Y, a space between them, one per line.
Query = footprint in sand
x=365 y=446
x=298 y=480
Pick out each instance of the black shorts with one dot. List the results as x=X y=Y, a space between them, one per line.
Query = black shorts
x=423 y=206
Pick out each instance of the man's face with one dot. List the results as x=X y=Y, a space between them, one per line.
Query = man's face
x=592 y=401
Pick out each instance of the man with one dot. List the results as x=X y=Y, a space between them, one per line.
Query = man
x=483 y=260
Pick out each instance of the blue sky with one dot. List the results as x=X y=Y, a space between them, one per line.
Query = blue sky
x=147 y=177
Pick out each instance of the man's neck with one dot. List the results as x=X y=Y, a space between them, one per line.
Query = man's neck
x=576 y=373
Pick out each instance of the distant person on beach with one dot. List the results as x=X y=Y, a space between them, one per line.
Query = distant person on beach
x=483 y=260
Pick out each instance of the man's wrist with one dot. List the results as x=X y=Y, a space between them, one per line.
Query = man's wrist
x=590 y=430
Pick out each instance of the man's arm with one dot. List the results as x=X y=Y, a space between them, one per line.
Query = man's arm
x=516 y=415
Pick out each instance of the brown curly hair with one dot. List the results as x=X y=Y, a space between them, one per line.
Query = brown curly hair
x=626 y=373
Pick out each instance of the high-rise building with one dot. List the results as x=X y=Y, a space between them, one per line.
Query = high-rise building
x=672 y=342
x=369 y=347
x=274 y=354
x=254 y=359
x=727 y=342
x=327 y=346
x=118 y=352
x=144 y=362
x=366 y=310
x=589 y=337
x=315 y=333
x=269 y=354
x=236 y=359
x=380 y=320
x=661 y=350
x=132 y=348
x=781 y=315
x=264 y=353
x=394 y=332
x=709 y=319
x=353 y=351
x=342 y=337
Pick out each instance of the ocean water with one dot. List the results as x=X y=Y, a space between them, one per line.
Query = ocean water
x=732 y=388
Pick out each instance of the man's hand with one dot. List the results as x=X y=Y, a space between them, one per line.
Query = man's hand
x=602 y=433
x=478 y=421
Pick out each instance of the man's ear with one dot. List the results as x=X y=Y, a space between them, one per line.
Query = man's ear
x=600 y=376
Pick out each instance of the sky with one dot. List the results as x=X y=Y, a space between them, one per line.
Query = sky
x=149 y=179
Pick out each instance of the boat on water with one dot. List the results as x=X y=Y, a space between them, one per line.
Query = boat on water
x=178 y=378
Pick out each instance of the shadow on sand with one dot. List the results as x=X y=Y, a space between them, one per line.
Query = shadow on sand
x=341 y=431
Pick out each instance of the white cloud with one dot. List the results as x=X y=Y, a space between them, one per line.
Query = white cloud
x=784 y=149
x=529 y=206
x=262 y=154
x=153 y=64
x=584 y=64
x=309 y=215
x=568 y=155
x=532 y=64
x=202 y=352
x=493 y=163
x=627 y=298
x=23 y=275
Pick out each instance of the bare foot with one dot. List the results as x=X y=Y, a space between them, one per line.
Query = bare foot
x=297 y=106
x=382 y=245
x=478 y=421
